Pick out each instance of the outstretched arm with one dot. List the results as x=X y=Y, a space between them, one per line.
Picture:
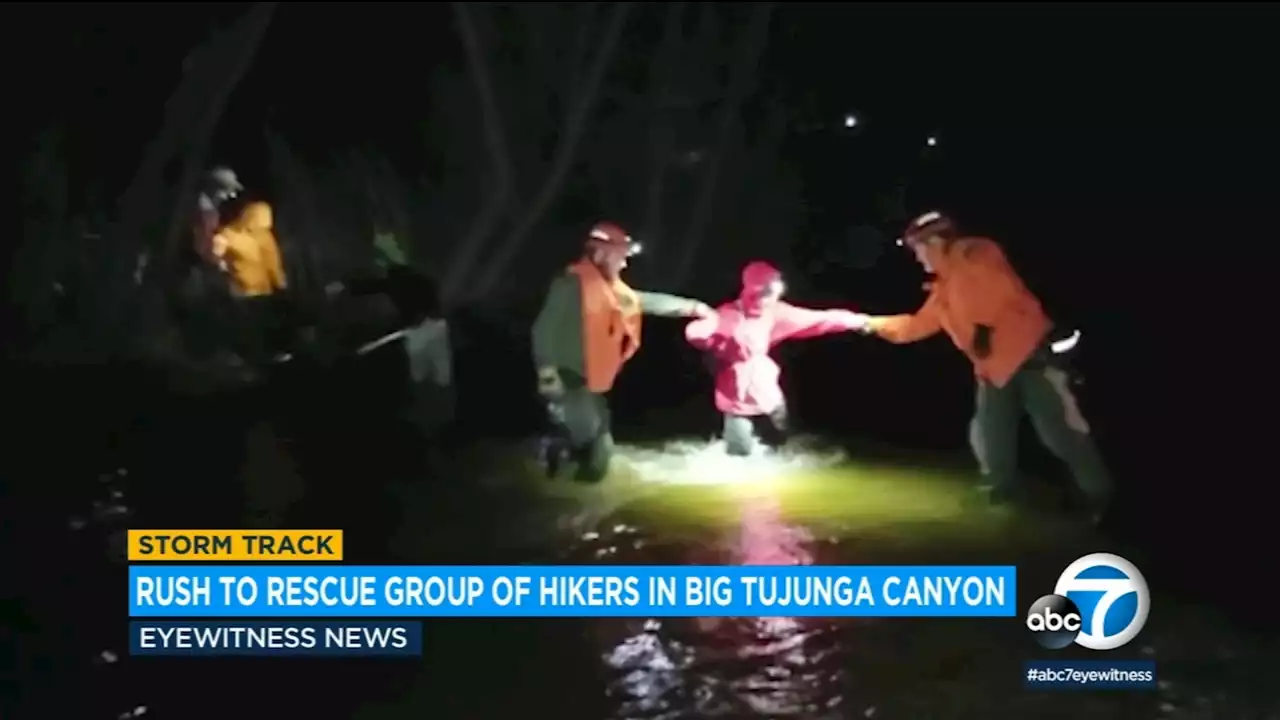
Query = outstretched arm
x=924 y=323
x=702 y=333
x=797 y=323
x=710 y=335
x=664 y=305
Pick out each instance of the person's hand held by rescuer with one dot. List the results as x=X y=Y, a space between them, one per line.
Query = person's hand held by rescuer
x=981 y=303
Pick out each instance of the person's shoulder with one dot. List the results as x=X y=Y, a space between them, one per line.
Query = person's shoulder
x=977 y=248
x=563 y=282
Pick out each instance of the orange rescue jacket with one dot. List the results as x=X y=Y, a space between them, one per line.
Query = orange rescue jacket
x=976 y=286
x=611 y=320
x=248 y=249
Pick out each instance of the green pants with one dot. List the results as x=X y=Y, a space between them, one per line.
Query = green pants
x=1041 y=391
x=582 y=419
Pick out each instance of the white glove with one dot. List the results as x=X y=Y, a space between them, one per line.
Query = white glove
x=701 y=310
x=859 y=322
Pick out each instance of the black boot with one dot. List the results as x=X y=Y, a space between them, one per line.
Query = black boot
x=552 y=452
x=594 y=460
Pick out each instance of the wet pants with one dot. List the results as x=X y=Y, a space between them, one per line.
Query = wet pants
x=581 y=419
x=745 y=434
x=1042 y=391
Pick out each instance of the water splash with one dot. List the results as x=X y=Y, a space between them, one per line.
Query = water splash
x=692 y=462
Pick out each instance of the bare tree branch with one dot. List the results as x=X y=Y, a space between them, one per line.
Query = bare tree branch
x=191 y=115
x=468 y=250
x=566 y=151
x=660 y=130
x=299 y=205
x=754 y=43
x=582 y=35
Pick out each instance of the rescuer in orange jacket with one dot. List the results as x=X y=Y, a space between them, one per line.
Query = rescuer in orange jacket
x=588 y=328
x=978 y=300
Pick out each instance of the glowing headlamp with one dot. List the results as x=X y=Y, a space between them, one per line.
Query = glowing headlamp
x=606 y=240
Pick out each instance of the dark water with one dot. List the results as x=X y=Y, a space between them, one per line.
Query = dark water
x=403 y=500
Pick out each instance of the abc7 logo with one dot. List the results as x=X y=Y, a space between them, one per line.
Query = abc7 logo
x=1117 y=604
x=1054 y=621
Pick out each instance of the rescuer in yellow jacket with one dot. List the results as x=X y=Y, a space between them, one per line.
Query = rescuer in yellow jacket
x=248 y=251
x=978 y=299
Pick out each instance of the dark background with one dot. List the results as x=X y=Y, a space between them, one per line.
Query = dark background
x=1121 y=154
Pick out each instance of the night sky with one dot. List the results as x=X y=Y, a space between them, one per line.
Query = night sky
x=1016 y=85
x=1112 y=145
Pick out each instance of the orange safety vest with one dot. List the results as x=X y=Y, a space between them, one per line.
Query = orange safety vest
x=611 y=319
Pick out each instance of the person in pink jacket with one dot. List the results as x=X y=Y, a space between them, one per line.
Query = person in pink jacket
x=738 y=339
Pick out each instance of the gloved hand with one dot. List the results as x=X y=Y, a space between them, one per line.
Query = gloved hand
x=701 y=310
x=981 y=341
x=550 y=385
x=859 y=322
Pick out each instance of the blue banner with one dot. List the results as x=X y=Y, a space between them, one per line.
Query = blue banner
x=580 y=591
x=1090 y=675
x=268 y=638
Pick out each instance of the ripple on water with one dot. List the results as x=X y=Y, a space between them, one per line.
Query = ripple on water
x=718 y=667
x=691 y=462
x=708 y=667
x=823 y=669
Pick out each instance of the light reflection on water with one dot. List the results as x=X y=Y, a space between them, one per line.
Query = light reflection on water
x=730 y=667
x=667 y=510
x=829 y=669
x=702 y=463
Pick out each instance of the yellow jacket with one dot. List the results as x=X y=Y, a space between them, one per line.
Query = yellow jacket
x=248 y=251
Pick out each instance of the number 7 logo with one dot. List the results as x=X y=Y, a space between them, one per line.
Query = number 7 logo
x=1103 y=569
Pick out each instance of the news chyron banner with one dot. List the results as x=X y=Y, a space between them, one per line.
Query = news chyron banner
x=287 y=604
x=186 y=590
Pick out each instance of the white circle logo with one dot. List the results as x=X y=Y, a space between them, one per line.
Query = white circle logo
x=1112 y=597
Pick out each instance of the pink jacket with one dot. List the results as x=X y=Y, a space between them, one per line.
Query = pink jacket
x=742 y=333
